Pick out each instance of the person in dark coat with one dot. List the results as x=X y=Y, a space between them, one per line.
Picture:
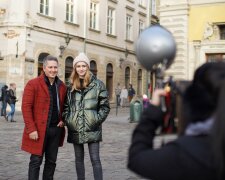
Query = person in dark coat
x=198 y=152
x=117 y=93
x=11 y=100
x=86 y=108
x=44 y=132
x=4 y=100
x=131 y=92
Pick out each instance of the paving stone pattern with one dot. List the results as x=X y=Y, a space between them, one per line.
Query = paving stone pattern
x=117 y=132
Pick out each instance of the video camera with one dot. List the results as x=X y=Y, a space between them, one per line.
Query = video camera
x=156 y=50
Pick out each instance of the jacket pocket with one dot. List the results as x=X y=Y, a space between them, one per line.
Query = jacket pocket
x=71 y=122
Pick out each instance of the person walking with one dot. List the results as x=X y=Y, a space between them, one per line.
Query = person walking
x=44 y=131
x=131 y=92
x=198 y=152
x=11 y=100
x=4 y=100
x=117 y=93
x=123 y=96
x=86 y=108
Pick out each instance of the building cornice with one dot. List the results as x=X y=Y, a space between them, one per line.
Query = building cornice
x=114 y=1
x=142 y=14
x=208 y=2
x=53 y=32
x=130 y=8
x=167 y=8
x=87 y=41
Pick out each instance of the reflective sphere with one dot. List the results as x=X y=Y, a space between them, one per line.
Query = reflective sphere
x=155 y=45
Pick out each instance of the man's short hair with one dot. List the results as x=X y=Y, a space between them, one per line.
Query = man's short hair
x=49 y=58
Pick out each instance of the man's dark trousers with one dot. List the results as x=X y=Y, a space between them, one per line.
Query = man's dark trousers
x=50 y=151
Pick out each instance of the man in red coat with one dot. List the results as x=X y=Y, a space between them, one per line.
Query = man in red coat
x=44 y=131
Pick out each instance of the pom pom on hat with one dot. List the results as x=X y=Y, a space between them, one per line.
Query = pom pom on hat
x=81 y=58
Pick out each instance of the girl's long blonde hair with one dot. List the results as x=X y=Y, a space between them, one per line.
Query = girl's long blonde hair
x=75 y=80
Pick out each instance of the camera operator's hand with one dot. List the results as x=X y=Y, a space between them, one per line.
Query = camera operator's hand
x=154 y=114
x=157 y=94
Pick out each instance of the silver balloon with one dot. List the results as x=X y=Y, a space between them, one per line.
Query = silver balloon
x=155 y=45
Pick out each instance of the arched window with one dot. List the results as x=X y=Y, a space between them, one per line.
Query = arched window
x=93 y=67
x=127 y=77
x=109 y=79
x=40 y=62
x=68 y=69
x=139 y=84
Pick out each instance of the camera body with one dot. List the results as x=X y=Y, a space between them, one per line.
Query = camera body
x=172 y=122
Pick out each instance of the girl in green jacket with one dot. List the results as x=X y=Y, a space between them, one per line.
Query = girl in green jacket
x=86 y=108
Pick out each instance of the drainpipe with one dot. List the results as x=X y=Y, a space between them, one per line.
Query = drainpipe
x=149 y=5
x=85 y=25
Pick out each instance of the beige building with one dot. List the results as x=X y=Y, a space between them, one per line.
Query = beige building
x=198 y=27
x=105 y=30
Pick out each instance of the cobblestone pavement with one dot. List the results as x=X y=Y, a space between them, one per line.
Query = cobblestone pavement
x=113 y=151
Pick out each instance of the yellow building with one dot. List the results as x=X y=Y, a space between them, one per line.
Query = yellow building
x=199 y=30
x=206 y=33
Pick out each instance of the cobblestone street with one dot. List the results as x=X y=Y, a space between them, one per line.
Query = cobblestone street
x=116 y=139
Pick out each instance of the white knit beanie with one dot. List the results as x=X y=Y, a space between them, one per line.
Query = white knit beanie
x=81 y=58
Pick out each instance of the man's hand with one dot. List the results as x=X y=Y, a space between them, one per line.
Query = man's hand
x=61 y=124
x=34 y=135
x=156 y=96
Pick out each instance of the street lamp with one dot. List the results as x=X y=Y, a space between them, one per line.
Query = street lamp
x=122 y=60
x=62 y=47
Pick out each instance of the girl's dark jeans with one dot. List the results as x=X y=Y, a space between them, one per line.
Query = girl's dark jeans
x=95 y=160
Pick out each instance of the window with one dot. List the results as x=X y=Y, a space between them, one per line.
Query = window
x=141 y=26
x=109 y=80
x=40 y=62
x=142 y=3
x=93 y=67
x=44 y=7
x=222 y=31
x=93 y=15
x=127 y=77
x=153 y=7
x=139 y=80
x=70 y=11
x=68 y=69
x=129 y=28
x=214 y=57
x=111 y=21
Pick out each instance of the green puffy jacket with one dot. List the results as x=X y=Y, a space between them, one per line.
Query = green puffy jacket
x=85 y=111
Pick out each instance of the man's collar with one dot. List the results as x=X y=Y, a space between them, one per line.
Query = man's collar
x=47 y=80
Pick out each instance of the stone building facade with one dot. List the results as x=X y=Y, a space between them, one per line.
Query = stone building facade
x=105 y=30
x=199 y=30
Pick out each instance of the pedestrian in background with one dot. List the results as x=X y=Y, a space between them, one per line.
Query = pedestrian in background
x=86 y=108
x=11 y=100
x=4 y=100
x=145 y=101
x=118 y=92
x=123 y=96
x=44 y=131
x=199 y=152
x=131 y=92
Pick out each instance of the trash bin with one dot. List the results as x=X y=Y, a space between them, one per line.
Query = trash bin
x=136 y=107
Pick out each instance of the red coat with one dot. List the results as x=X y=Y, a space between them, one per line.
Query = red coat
x=35 y=109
